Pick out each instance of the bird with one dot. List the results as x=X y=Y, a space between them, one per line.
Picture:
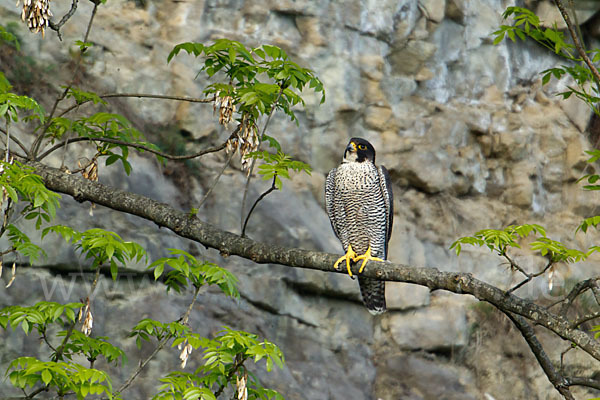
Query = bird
x=360 y=206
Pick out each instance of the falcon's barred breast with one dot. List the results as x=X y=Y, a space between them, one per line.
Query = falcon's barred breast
x=359 y=201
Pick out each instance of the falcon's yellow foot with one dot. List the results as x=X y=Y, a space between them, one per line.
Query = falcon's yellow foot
x=349 y=257
x=366 y=258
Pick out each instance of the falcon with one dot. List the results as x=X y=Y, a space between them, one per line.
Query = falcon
x=359 y=201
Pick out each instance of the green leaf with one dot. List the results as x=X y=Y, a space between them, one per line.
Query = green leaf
x=46 y=376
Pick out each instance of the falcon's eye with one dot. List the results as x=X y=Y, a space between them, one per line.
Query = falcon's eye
x=362 y=147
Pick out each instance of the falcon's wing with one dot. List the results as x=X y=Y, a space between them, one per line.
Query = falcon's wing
x=330 y=199
x=386 y=189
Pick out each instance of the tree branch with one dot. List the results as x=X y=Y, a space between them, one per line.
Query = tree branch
x=557 y=380
x=576 y=41
x=188 y=226
x=135 y=146
x=262 y=196
x=38 y=140
x=582 y=381
x=64 y=19
x=579 y=288
x=17 y=141
x=214 y=184
x=141 y=95
x=264 y=130
x=158 y=348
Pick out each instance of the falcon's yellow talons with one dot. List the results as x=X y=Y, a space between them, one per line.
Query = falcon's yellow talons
x=366 y=258
x=350 y=256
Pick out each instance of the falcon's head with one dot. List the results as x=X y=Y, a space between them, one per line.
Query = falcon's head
x=359 y=150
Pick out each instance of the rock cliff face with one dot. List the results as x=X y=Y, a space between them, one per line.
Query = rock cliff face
x=471 y=138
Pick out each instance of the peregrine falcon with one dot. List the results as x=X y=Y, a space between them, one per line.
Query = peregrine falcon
x=359 y=201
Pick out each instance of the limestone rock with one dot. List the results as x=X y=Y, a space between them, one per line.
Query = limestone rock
x=378 y=118
x=409 y=60
x=435 y=9
x=411 y=377
x=404 y=296
x=435 y=328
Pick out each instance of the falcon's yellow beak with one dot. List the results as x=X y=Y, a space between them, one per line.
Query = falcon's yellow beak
x=351 y=147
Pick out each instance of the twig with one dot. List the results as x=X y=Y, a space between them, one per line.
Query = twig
x=60 y=349
x=581 y=381
x=214 y=184
x=7 y=156
x=262 y=196
x=528 y=275
x=36 y=392
x=143 y=364
x=48 y=342
x=579 y=288
x=585 y=318
x=562 y=357
x=239 y=361
x=264 y=129
x=64 y=19
x=158 y=348
x=134 y=145
x=557 y=380
x=38 y=140
x=17 y=141
x=576 y=40
x=513 y=264
x=596 y=292
x=141 y=95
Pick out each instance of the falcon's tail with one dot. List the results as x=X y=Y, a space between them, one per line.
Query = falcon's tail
x=373 y=294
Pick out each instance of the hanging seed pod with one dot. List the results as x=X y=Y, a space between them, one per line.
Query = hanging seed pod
x=36 y=13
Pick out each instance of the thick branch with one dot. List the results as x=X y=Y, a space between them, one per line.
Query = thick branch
x=557 y=380
x=188 y=226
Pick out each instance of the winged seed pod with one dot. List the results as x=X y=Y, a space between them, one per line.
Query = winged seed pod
x=14 y=275
x=186 y=350
x=226 y=108
x=88 y=321
x=241 y=387
x=37 y=14
x=247 y=142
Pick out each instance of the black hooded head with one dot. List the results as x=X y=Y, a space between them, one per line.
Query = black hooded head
x=359 y=150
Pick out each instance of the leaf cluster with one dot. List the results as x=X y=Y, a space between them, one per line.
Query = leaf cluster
x=500 y=240
x=224 y=358
x=149 y=328
x=259 y=79
x=12 y=104
x=38 y=316
x=101 y=125
x=65 y=377
x=276 y=165
x=21 y=184
x=101 y=246
x=527 y=25
x=184 y=268
x=89 y=347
